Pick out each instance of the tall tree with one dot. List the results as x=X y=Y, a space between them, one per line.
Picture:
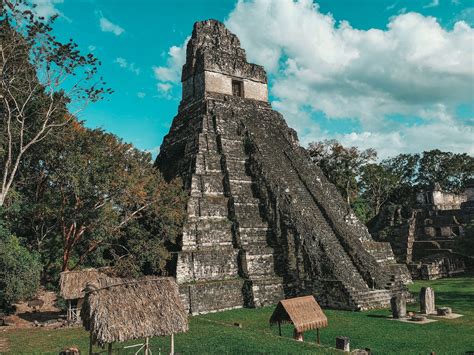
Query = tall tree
x=449 y=170
x=83 y=190
x=341 y=165
x=377 y=184
x=39 y=77
x=91 y=187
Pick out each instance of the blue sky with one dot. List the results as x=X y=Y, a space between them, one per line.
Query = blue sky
x=404 y=88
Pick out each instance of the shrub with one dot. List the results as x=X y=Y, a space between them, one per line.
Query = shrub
x=20 y=272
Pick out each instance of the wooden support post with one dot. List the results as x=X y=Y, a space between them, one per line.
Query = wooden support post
x=279 y=328
x=317 y=336
x=69 y=310
x=147 y=346
x=90 y=343
x=172 y=344
x=109 y=352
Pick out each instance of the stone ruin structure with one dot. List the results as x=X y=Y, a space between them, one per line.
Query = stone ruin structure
x=263 y=222
x=425 y=240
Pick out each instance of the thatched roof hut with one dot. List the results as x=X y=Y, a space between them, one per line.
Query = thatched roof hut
x=72 y=283
x=133 y=309
x=303 y=312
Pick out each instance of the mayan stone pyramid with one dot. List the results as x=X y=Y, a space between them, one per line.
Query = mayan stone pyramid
x=263 y=223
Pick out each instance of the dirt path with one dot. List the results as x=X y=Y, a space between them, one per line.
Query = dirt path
x=3 y=345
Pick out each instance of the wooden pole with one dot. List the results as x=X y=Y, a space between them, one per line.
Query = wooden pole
x=110 y=349
x=279 y=328
x=172 y=344
x=69 y=311
x=146 y=346
x=317 y=336
x=90 y=343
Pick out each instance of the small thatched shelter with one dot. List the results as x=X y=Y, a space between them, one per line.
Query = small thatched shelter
x=133 y=309
x=71 y=286
x=303 y=312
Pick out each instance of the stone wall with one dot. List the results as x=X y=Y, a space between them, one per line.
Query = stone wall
x=440 y=200
x=425 y=241
x=211 y=82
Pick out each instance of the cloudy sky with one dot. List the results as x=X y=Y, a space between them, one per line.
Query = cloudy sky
x=395 y=75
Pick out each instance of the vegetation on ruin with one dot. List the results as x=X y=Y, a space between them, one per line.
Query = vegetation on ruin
x=216 y=332
x=370 y=186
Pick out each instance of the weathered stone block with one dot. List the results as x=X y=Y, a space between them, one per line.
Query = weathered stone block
x=399 y=306
x=343 y=343
x=427 y=300
x=208 y=297
x=443 y=311
x=207 y=265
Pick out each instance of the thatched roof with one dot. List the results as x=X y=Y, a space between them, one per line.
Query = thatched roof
x=72 y=283
x=304 y=312
x=133 y=309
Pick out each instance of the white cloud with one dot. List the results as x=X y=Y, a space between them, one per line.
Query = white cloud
x=45 y=8
x=107 y=26
x=466 y=15
x=413 y=69
x=164 y=87
x=141 y=95
x=91 y=48
x=433 y=3
x=170 y=74
x=123 y=63
x=413 y=139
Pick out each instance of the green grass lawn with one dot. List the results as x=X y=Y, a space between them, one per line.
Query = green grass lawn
x=215 y=333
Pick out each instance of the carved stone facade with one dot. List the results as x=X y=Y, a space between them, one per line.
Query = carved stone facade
x=425 y=240
x=263 y=222
x=436 y=199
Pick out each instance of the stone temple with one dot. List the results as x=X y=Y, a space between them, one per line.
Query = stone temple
x=263 y=223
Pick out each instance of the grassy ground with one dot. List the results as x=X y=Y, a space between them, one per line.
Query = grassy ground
x=215 y=333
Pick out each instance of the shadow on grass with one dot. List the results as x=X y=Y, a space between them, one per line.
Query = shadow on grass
x=39 y=316
x=377 y=316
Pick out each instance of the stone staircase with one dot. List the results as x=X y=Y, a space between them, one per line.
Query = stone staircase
x=350 y=254
x=252 y=232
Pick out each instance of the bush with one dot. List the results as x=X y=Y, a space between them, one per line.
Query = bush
x=20 y=272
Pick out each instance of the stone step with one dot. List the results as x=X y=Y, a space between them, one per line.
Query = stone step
x=257 y=265
x=241 y=188
x=207 y=265
x=253 y=235
x=237 y=174
x=264 y=292
x=207 y=233
x=211 y=184
x=208 y=206
x=208 y=163
x=212 y=296
x=232 y=147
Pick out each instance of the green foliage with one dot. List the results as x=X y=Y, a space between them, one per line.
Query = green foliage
x=370 y=186
x=33 y=95
x=88 y=199
x=377 y=184
x=362 y=210
x=19 y=271
x=449 y=170
x=341 y=165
